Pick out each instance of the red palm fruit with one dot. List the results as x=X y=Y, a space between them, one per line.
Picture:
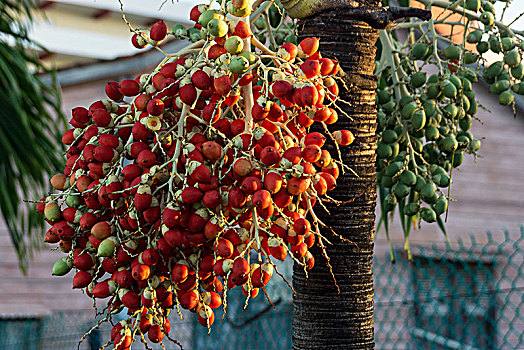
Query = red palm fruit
x=211 y=230
x=206 y=263
x=129 y=299
x=131 y=172
x=158 y=81
x=139 y=131
x=332 y=88
x=249 y=293
x=59 y=182
x=191 y=195
x=199 y=172
x=141 y=272
x=101 y=230
x=303 y=120
x=155 y=107
x=206 y=317
x=233 y=97
x=259 y=112
x=333 y=118
x=322 y=114
x=138 y=41
x=188 y=300
x=113 y=92
x=215 y=51
x=261 y=199
x=331 y=182
x=246 y=78
x=80 y=115
x=311 y=153
x=155 y=333
x=68 y=137
x=82 y=279
x=325 y=159
x=298 y=185
x=179 y=273
x=308 y=47
x=104 y=154
x=109 y=140
x=343 y=137
x=223 y=248
x=196 y=11
x=170 y=217
x=141 y=102
x=174 y=237
x=83 y=262
x=222 y=267
x=238 y=126
x=264 y=138
x=83 y=182
x=101 y=117
x=201 y=80
x=188 y=284
x=88 y=220
x=109 y=265
x=242 y=167
x=276 y=114
x=301 y=226
x=211 y=113
x=333 y=169
x=288 y=51
x=273 y=182
x=197 y=221
x=299 y=250
x=158 y=31
x=282 y=198
x=277 y=250
x=326 y=66
x=240 y=272
x=236 y=198
x=310 y=68
x=293 y=155
x=212 y=199
x=213 y=184
x=261 y=276
x=143 y=199
x=308 y=95
x=282 y=89
x=188 y=94
x=269 y=156
x=129 y=87
x=222 y=84
x=72 y=215
x=240 y=29
x=211 y=151
x=168 y=70
x=212 y=299
x=124 y=278
x=320 y=185
x=104 y=289
x=245 y=141
x=149 y=257
x=314 y=138
x=251 y=184
x=146 y=159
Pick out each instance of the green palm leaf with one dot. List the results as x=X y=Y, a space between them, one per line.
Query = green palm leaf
x=30 y=128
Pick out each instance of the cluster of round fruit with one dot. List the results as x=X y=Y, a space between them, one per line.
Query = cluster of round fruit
x=424 y=122
x=172 y=182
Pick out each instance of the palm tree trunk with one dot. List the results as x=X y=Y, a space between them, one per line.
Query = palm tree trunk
x=323 y=317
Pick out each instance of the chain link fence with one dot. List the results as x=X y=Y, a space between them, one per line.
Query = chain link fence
x=469 y=297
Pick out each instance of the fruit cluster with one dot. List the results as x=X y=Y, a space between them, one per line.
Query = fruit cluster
x=172 y=182
x=424 y=119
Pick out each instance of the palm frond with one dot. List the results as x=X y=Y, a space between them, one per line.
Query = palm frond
x=31 y=122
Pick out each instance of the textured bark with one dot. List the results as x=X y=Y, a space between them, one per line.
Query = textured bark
x=322 y=317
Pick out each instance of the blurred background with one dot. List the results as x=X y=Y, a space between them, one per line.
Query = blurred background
x=467 y=297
